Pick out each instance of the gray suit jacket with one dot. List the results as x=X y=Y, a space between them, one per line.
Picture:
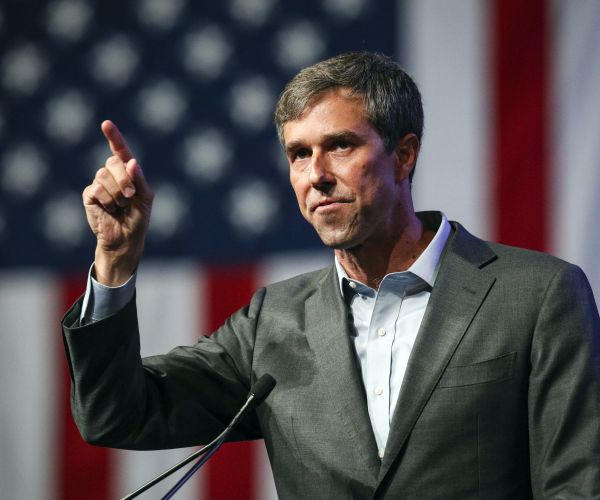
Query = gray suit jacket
x=501 y=398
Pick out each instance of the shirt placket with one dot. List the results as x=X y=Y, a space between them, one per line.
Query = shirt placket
x=379 y=362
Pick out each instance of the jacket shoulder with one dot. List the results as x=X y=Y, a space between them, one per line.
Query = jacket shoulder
x=508 y=258
x=525 y=257
x=299 y=287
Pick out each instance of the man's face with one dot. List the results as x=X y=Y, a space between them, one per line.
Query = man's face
x=347 y=185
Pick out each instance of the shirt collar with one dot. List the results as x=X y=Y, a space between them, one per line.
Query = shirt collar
x=426 y=266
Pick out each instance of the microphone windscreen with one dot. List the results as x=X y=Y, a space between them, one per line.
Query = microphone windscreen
x=262 y=388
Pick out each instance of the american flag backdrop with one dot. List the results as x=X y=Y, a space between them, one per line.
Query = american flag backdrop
x=511 y=91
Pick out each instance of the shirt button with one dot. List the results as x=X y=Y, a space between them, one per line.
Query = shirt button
x=378 y=390
x=381 y=332
x=381 y=453
x=351 y=284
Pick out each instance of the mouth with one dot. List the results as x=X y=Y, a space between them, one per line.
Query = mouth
x=328 y=204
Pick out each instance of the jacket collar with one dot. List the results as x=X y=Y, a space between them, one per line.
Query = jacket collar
x=328 y=334
x=458 y=294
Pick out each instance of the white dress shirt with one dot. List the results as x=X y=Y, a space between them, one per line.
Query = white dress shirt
x=386 y=323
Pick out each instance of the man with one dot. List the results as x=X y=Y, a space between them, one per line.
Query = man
x=425 y=363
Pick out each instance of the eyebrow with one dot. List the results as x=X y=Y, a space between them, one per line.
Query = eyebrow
x=293 y=146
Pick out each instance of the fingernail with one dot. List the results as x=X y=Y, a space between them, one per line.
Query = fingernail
x=129 y=192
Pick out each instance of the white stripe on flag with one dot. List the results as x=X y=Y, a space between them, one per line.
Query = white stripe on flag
x=576 y=142
x=28 y=379
x=169 y=296
x=264 y=485
x=445 y=46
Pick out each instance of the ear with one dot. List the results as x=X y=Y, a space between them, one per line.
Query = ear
x=407 y=152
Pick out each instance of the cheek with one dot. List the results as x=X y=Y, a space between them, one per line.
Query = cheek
x=373 y=196
x=300 y=191
x=366 y=187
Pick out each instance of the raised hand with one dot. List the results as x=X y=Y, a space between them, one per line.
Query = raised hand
x=118 y=205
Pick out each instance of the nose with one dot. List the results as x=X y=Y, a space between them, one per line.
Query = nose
x=320 y=174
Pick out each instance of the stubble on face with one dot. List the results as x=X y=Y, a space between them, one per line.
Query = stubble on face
x=354 y=193
x=337 y=232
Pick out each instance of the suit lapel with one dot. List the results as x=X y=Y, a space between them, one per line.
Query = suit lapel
x=458 y=293
x=329 y=338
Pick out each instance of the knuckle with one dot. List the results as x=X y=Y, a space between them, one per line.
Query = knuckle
x=102 y=173
x=116 y=168
x=86 y=193
x=96 y=190
x=113 y=161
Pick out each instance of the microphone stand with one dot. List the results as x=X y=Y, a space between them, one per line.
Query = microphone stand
x=188 y=475
x=170 y=471
x=258 y=393
x=214 y=445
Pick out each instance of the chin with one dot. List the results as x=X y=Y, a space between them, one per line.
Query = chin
x=338 y=242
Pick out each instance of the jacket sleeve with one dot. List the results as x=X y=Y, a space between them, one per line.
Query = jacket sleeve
x=564 y=391
x=183 y=398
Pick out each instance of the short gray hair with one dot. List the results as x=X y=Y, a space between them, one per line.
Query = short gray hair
x=392 y=100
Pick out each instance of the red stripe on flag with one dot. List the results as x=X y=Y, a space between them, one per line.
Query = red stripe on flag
x=83 y=470
x=231 y=469
x=520 y=122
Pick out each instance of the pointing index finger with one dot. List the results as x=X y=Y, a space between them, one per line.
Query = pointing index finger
x=116 y=141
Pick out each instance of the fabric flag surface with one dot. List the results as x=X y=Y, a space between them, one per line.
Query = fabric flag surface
x=511 y=150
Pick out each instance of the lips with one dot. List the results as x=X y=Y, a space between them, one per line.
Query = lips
x=327 y=202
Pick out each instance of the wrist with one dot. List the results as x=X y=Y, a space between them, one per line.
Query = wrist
x=113 y=269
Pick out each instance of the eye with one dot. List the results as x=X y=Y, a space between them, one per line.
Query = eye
x=301 y=154
x=341 y=145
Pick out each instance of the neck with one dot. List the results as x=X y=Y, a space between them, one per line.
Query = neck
x=370 y=261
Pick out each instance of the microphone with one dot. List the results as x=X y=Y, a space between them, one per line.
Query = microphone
x=258 y=393
x=260 y=390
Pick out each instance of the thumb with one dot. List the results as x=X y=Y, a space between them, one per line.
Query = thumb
x=136 y=174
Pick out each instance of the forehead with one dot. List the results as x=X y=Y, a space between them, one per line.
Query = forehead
x=328 y=113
